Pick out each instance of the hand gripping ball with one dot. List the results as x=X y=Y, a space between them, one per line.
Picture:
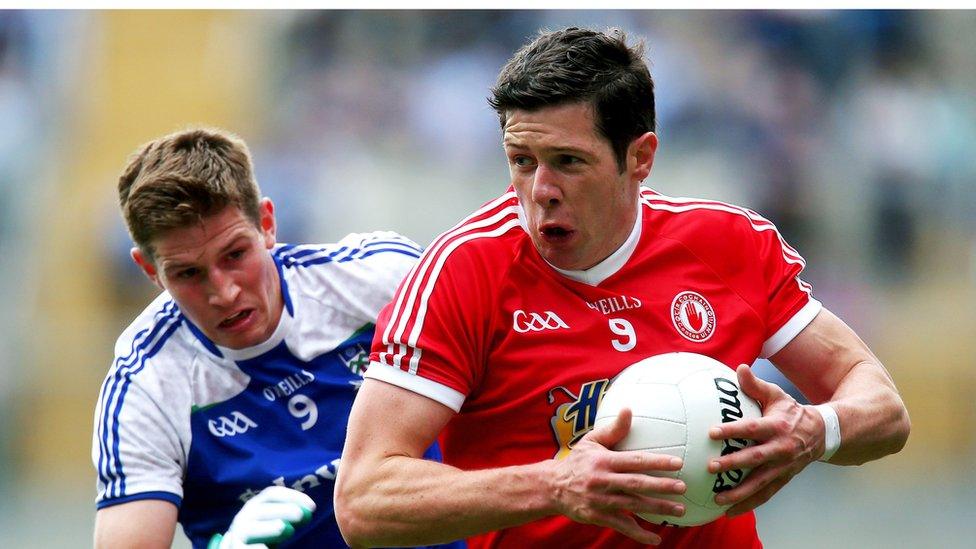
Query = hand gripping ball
x=675 y=399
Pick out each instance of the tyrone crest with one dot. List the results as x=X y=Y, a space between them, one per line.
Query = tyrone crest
x=693 y=316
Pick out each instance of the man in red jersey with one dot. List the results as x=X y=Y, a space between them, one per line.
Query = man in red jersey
x=503 y=338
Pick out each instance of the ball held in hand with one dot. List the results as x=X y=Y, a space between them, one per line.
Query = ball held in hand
x=675 y=399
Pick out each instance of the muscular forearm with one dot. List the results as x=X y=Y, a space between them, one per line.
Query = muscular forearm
x=830 y=363
x=409 y=501
x=386 y=494
x=873 y=418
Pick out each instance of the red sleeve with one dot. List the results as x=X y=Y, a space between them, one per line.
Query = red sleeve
x=432 y=338
x=439 y=330
x=786 y=292
x=784 y=302
x=757 y=263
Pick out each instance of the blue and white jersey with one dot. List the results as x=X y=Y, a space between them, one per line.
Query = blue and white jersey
x=205 y=427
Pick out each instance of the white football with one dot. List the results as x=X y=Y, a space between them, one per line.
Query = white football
x=675 y=399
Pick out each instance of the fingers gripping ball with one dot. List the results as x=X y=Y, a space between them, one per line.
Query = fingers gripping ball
x=675 y=398
x=269 y=517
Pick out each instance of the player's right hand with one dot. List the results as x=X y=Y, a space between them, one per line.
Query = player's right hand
x=269 y=517
x=596 y=485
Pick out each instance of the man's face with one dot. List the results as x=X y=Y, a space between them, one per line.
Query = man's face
x=221 y=275
x=579 y=207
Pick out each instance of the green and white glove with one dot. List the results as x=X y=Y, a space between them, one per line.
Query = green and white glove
x=269 y=517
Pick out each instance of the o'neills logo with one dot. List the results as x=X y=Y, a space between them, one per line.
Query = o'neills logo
x=731 y=411
x=693 y=316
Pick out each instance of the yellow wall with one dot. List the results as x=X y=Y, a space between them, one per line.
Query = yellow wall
x=148 y=73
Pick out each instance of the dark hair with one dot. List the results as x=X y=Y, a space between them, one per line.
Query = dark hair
x=179 y=179
x=582 y=65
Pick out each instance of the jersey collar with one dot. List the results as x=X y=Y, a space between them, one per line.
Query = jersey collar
x=604 y=269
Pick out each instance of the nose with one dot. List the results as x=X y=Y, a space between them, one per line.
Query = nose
x=223 y=289
x=545 y=188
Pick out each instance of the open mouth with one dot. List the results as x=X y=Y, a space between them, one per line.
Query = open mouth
x=555 y=233
x=237 y=319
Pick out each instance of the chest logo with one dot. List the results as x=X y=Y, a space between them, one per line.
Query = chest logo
x=534 y=322
x=236 y=424
x=693 y=316
x=575 y=414
x=356 y=358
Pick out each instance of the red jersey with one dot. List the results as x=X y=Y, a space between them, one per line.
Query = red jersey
x=524 y=352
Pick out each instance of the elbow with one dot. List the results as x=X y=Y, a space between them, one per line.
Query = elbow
x=898 y=427
x=353 y=523
x=351 y=529
x=903 y=427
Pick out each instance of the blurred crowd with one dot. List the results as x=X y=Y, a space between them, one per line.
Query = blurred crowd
x=852 y=125
x=851 y=130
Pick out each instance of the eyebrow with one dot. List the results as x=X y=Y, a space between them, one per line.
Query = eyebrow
x=557 y=150
x=233 y=243
x=175 y=265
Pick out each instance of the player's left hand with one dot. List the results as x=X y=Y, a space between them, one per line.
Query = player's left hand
x=269 y=517
x=789 y=436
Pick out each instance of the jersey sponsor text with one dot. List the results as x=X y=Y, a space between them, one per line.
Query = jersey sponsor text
x=288 y=385
x=614 y=304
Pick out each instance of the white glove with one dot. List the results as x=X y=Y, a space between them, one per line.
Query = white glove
x=269 y=517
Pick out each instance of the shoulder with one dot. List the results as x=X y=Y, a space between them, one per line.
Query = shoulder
x=159 y=330
x=346 y=282
x=730 y=239
x=353 y=249
x=683 y=216
x=148 y=386
x=359 y=262
x=155 y=358
x=465 y=266
x=489 y=238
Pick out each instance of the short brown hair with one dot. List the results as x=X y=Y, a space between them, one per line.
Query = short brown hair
x=180 y=179
x=582 y=65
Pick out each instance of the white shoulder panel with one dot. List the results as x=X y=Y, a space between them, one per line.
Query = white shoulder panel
x=337 y=289
x=139 y=441
x=161 y=371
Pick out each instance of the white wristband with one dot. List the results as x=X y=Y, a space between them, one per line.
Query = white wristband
x=832 y=428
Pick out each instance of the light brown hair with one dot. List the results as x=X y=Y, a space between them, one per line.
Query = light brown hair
x=180 y=179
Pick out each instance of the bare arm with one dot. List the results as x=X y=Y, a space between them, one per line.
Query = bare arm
x=828 y=362
x=386 y=494
x=141 y=524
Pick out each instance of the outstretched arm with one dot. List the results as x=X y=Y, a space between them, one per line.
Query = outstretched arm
x=386 y=494
x=830 y=364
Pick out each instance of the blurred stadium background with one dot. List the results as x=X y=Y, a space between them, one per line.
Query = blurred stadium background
x=854 y=131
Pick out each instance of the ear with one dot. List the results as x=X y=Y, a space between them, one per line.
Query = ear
x=269 y=226
x=640 y=155
x=146 y=264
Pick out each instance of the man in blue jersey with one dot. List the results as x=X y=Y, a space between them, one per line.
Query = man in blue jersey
x=226 y=405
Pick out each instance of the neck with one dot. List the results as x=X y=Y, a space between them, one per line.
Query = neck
x=599 y=272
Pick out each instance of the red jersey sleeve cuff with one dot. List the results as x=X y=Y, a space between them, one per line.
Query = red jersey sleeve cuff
x=791 y=328
x=433 y=390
